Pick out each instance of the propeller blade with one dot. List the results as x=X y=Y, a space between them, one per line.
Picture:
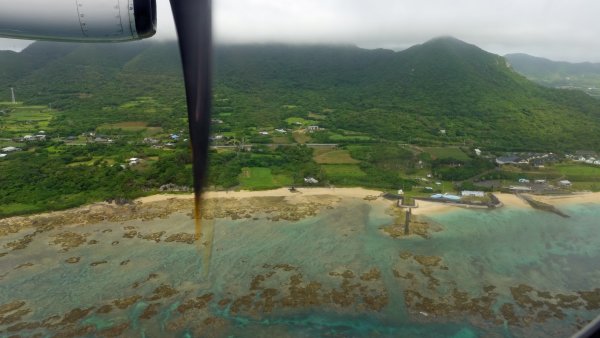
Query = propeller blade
x=193 y=21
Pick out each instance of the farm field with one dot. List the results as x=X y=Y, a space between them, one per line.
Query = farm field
x=18 y=120
x=259 y=178
x=343 y=170
x=334 y=157
x=579 y=172
x=132 y=127
x=440 y=153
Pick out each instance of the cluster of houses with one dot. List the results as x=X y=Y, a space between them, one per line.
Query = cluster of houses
x=527 y=185
x=279 y=130
x=156 y=143
x=131 y=162
x=534 y=159
x=39 y=137
x=6 y=150
x=588 y=159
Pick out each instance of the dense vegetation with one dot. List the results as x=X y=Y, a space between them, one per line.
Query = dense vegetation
x=386 y=119
x=581 y=76
x=408 y=96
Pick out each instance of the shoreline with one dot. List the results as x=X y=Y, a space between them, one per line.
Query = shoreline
x=281 y=192
x=425 y=207
x=512 y=201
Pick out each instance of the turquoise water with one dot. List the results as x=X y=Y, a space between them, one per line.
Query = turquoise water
x=286 y=278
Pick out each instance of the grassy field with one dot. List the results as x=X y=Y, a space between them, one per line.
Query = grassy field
x=340 y=171
x=299 y=121
x=579 y=172
x=438 y=153
x=258 y=178
x=316 y=116
x=334 y=157
x=281 y=139
x=18 y=208
x=21 y=120
x=334 y=137
x=132 y=127
x=301 y=138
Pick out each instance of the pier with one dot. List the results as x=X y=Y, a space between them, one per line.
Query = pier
x=403 y=203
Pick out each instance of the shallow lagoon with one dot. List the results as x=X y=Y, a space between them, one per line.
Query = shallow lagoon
x=508 y=272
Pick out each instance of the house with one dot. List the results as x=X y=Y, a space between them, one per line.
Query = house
x=3 y=155
x=539 y=181
x=264 y=133
x=507 y=160
x=467 y=193
x=149 y=140
x=443 y=131
x=101 y=139
x=313 y=128
x=565 y=183
x=523 y=180
x=134 y=161
x=310 y=180
x=283 y=131
x=477 y=152
x=10 y=149
x=174 y=137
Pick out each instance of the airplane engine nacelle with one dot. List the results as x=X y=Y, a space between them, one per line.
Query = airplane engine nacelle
x=78 y=20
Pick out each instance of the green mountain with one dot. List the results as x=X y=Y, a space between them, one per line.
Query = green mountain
x=408 y=96
x=583 y=76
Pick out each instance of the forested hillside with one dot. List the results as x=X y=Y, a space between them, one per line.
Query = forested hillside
x=408 y=96
x=97 y=122
x=583 y=76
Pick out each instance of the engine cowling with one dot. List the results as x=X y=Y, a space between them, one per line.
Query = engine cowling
x=78 y=20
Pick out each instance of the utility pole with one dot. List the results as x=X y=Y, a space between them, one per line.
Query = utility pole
x=12 y=92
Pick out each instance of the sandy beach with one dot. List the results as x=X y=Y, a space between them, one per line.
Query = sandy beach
x=340 y=192
x=576 y=198
x=428 y=208
x=243 y=202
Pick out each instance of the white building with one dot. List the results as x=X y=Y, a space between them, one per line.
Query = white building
x=468 y=193
x=134 y=161
x=10 y=149
x=523 y=180
x=478 y=152
x=3 y=155
x=310 y=180
x=565 y=183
